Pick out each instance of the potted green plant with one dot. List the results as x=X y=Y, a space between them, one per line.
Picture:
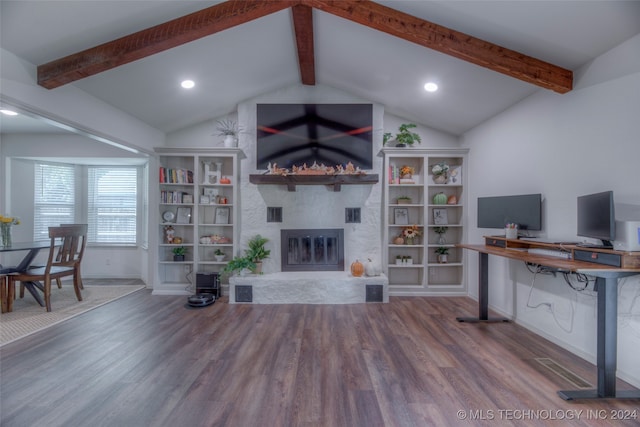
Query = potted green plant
x=230 y=130
x=404 y=200
x=386 y=137
x=178 y=253
x=257 y=252
x=239 y=265
x=405 y=137
x=219 y=254
x=443 y=253
x=398 y=259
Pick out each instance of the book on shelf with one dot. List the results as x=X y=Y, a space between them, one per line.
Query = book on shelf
x=175 y=176
x=175 y=197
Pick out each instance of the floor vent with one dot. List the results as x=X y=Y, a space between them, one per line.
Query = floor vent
x=563 y=372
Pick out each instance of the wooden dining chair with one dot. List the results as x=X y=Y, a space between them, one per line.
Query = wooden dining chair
x=72 y=241
x=60 y=256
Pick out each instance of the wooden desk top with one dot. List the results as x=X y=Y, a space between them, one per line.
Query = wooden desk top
x=517 y=249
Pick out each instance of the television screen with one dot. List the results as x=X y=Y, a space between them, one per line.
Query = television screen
x=524 y=210
x=596 y=217
x=331 y=134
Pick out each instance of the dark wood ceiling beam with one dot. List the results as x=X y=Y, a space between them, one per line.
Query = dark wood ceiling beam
x=303 y=27
x=155 y=39
x=450 y=42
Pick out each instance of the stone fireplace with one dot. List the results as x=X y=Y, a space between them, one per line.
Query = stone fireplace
x=312 y=250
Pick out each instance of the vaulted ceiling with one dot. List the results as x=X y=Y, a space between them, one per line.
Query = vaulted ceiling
x=485 y=55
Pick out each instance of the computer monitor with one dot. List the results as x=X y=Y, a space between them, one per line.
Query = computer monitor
x=524 y=210
x=596 y=218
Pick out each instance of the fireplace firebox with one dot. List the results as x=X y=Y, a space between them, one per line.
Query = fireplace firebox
x=312 y=250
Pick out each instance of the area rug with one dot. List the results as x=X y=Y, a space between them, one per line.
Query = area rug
x=28 y=317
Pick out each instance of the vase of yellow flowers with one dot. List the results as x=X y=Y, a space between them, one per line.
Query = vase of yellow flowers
x=5 y=229
x=411 y=233
x=406 y=172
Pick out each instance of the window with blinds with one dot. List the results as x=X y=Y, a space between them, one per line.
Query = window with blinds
x=54 y=198
x=112 y=204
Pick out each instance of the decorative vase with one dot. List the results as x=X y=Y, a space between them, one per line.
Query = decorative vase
x=440 y=179
x=357 y=269
x=441 y=239
x=258 y=269
x=406 y=176
x=398 y=240
x=219 y=258
x=5 y=235
x=178 y=258
x=230 y=141
x=442 y=259
x=410 y=240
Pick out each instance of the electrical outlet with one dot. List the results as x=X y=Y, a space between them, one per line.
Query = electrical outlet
x=186 y=268
x=107 y=261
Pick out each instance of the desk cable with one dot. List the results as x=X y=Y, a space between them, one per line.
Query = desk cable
x=540 y=269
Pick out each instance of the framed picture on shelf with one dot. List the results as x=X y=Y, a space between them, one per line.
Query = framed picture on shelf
x=401 y=216
x=222 y=216
x=440 y=217
x=205 y=200
x=455 y=175
x=184 y=216
x=187 y=198
x=211 y=192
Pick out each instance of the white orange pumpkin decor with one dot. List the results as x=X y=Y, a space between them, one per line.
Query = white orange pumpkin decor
x=357 y=269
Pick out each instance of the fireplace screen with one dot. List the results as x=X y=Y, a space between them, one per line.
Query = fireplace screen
x=312 y=250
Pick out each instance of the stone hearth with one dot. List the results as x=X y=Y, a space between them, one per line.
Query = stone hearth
x=327 y=287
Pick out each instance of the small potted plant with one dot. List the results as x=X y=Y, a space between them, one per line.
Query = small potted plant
x=178 y=253
x=440 y=231
x=405 y=137
x=239 y=265
x=404 y=200
x=407 y=260
x=398 y=259
x=257 y=252
x=230 y=130
x=386 y=137
x=443 y=253
x=219 y=254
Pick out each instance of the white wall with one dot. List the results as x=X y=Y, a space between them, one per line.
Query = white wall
x=564 y=146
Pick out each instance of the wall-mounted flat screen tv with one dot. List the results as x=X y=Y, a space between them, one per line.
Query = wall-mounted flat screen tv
x=524 y=210
x=331 y=134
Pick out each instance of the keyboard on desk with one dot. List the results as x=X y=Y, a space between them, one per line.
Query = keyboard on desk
x=550 y=252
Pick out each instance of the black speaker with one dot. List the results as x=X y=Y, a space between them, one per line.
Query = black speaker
x=208 y=283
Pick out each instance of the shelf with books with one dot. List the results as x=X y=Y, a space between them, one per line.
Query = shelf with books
x=197 y=189
x=409 y=201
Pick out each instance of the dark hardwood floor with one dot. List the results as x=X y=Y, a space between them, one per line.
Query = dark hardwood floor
x=151 y=361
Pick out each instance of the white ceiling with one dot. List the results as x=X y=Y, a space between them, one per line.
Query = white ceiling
x=260 y=56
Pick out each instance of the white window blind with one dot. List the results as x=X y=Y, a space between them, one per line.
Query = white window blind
x=54 y=197
x=112 y=204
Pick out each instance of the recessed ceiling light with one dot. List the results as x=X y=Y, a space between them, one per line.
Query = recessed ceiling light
x=431 y=87
x=187 y=84
x=8 y=112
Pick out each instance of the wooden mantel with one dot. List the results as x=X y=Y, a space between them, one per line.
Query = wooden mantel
x=335 y=181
